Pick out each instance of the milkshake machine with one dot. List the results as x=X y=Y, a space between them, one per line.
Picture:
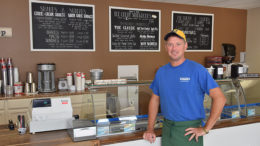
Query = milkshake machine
x=46 y=79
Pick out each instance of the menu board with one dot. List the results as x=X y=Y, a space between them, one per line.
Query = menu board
x=134 y=29
x=61 y=26
x=198 y=28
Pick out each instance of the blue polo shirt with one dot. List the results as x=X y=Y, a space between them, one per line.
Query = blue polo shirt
x=181 y=90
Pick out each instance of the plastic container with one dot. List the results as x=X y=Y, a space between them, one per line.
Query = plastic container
x=96 y=74
x=18 y=88
x=211 y=71
x=9 y=90
x=230 y=112
x=129 y=125
x=253 y=109
x=103 y=128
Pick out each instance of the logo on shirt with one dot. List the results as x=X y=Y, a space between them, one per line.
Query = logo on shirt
x=184 y=79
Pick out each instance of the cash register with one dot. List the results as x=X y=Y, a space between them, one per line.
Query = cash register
x=48 y=114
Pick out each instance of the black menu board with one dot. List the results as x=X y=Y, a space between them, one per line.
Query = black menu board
x=198 y=28
x=134 y=29
x=61 y=26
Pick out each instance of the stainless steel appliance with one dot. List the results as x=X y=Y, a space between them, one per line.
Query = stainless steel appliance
x=46 y=78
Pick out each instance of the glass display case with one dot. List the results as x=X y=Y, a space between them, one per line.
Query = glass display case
x=123 y=108
x=231 y=91
x=119 y=108
x=121 y=100
x=251 y=91
x=243 y=98
x=235 y=99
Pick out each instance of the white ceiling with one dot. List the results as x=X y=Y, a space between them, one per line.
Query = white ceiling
x=238 y=4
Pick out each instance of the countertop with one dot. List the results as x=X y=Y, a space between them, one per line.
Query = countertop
x=53 y=94
x=61 y=137
x=89 y=90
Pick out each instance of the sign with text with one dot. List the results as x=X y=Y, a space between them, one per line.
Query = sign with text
x=198 y=28
x=61 y=26
x=134 y=30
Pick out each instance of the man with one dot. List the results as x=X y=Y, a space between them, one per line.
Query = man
x=179 y=87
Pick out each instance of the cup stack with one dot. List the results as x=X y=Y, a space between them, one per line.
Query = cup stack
x=79 y=81
x=30 y=86
x=10 y=78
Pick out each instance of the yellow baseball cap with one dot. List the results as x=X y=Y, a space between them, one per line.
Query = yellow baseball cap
x=175 y=32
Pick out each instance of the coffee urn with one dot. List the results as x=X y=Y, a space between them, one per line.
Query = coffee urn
x=236 y=70
x=218 y=71
x=46 y=79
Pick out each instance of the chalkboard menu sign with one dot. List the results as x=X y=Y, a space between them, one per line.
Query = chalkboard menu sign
x=61 y=26
x=198 y=28
x=134 y=29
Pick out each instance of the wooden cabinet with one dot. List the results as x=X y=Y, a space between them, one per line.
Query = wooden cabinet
x=82 y=105
x=17 y=107
x=2 y=113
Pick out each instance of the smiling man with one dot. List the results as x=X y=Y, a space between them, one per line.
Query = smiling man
x=179 y=87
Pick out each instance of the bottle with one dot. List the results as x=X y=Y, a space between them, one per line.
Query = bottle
x=10 y=74
x=4 y=74
x=16 y=75
x=78 y=81
x=83 y=79
x=69 y=79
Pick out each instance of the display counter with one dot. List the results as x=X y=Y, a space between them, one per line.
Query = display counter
x=61 y=137
x=126 y=100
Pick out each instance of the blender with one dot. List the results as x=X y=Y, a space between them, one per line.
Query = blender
x=46 y=79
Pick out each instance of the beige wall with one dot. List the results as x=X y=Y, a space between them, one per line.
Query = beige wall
x=253 y=40
x=229 y=27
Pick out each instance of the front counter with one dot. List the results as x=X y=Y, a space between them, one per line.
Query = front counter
x=131 y=100
x=62 y=138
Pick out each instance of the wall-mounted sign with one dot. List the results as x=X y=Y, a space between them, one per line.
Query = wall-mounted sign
x=59 y=26
x=198 y=28
x=134 y=30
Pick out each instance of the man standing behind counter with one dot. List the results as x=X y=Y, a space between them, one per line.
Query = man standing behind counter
x=179 y=87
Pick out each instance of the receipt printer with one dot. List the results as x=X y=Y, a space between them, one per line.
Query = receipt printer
x=49 y=114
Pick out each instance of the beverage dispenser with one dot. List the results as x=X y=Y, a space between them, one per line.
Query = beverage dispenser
x=46 y=78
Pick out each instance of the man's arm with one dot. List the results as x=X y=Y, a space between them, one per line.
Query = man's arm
x=152 y=113
x=218 y=102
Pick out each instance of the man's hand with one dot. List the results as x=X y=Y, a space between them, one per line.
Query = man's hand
x=150 y=136
x=196 y=132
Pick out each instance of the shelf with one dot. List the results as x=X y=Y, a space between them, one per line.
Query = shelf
x=129 y=83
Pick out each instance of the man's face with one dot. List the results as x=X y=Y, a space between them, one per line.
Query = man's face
x=176 y=47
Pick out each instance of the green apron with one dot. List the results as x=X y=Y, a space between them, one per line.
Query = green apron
x=173 y=133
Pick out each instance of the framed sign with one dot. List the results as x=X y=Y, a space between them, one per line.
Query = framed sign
x=56 y=26
x=134 y=30
x=198 y=28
